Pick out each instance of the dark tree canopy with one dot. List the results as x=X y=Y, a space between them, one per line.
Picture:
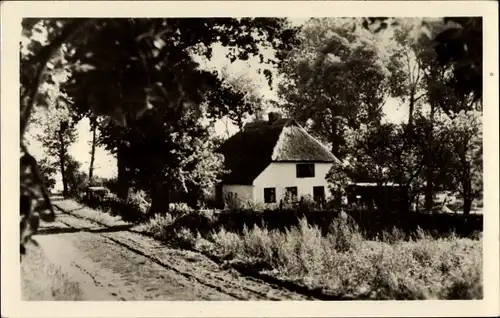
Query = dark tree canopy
x=459 y=44
x=141 y=73
x=334 y=80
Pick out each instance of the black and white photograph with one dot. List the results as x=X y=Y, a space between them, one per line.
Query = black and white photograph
x=253 y=158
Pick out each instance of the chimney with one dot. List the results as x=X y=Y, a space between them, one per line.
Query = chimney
x=273 y=116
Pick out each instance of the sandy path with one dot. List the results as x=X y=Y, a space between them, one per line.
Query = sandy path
x=116 y=264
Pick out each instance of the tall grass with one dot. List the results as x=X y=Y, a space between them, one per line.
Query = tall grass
x=43 y=280
x=343 y=262
x=340 y=259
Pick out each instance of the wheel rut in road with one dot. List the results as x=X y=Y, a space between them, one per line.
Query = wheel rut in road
x=133 y=266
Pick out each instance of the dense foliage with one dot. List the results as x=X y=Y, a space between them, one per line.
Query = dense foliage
x=142 y=74
x=335 y=77
x=334 y=80
x=339 y=77
x=336 y=259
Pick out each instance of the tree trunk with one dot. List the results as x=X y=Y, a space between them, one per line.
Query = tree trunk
x=226 y=124
x=429 y=191
x=219 y=198
x=92 y=151
x=62 y=156
x=429 y=187
x=123 y=180
x=410 y=111
x=160 y=199
x=64 y=179
x=337 y=142
x=467 y=204
x=468 y=197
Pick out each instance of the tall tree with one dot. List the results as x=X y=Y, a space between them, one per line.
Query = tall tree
x=334 y=80
x=56 y=134
x=40 y=82
x=371 y=157
x=421 y=73
x=246 y=99
x=407 y=71
x=76 y=179
x=93 y=141
x=48 y=170
x=449 y=97
x=444 y=95
x=144 y=70
x=167 y=42
x=462 y=137
x=457 y=43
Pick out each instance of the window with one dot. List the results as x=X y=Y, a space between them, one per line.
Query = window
x=291 y=193
x=269 y=195
x=305 y=170
x=319 y=193
x=231 y=195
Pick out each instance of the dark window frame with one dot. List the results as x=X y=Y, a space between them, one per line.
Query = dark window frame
x=305 y=170
x=323 y=191
x=270 y=197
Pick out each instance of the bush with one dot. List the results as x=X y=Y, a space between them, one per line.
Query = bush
x=343 y=263
x=132 y=210
x=179 y=209
x=343 y=233
x=158 y=226
x=306 y=204
x=112 y=184
x=340 y=260
x=227 y=245
x=355 y=254
x=138 y=199
x=255 y=206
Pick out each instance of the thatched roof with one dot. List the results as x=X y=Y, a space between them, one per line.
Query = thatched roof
x=251 y=150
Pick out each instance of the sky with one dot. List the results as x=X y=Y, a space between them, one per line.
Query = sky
x=105 y=163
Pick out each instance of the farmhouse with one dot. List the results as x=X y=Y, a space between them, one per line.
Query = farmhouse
x=271 y=160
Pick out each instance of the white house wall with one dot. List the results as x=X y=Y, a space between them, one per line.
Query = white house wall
x=241 y=193
x=281 y=175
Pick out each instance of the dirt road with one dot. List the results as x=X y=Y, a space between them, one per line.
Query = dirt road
x=112 y=263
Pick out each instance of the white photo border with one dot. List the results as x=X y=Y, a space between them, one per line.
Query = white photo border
x=12 y=13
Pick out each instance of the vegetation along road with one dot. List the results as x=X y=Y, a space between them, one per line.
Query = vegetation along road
x=113 y=263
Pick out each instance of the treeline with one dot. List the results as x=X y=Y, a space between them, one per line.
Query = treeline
x=335 y=76
x=338 y=79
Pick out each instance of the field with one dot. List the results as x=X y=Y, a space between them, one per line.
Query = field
x=43 y=280
x=350 y=255
x=339 y=261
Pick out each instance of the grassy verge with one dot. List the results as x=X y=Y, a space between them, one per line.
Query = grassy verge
x=42 y=280
x=81 y=210
x=342 y=262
